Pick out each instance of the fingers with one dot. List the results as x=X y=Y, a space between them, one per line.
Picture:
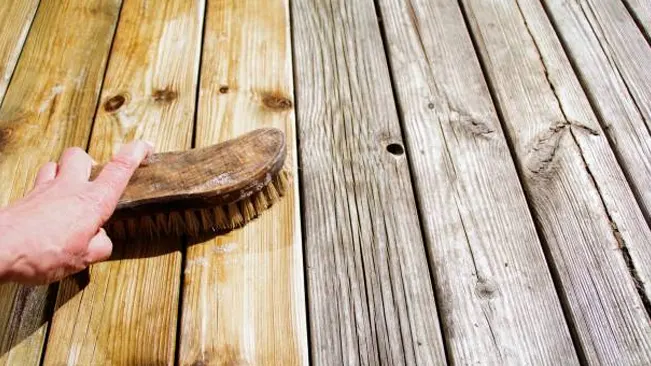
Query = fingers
x=115 y=176
x=99 y=247
x=75 y=165
x=47 y=173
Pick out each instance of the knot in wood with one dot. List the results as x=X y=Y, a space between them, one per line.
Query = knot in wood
x=224 y=89
x=5 y=136
x=164 y=95
x=277 y=102
x=114 y=103
x=486 y=289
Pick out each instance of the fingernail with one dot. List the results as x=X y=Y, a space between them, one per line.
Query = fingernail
x=149 y=143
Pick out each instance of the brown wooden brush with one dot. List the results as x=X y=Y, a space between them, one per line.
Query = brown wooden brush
x=214 y=189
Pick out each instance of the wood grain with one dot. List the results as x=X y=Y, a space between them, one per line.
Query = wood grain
x=587 y=214
x=243 y=294
x=641 y=11
x=613 y=59
x=214 y=175
x=127 y=313
x=371 y=296
x=499 y=304
x=48 y=106
x=16 y=18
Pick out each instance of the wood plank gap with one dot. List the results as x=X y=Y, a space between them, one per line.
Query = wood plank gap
x=640 y=11
x=576 y=186
x=556 y=277
x=11 y=49
x=609 y=55
x=101 y=86
x=127 y=312
x=479 y=230
x=47 y=107
x=447 y=348
x=301 y=188
x=363 y=242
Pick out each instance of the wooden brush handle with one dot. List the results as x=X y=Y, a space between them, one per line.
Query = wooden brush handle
x=216 y=175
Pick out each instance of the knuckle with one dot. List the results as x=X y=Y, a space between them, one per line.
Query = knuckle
x=122 y=162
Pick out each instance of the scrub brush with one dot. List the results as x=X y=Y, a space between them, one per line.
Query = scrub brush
x=208 y=190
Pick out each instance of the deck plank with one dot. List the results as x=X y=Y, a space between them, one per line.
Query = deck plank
x=127 y=313
x=501 y=306
x=641 y=11
x=16 y=18
x=613 y=61
x=243 y=293
x=586 y=212
x=48 y=107
x=371 y=299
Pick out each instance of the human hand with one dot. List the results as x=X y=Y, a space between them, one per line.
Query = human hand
x=56 y=229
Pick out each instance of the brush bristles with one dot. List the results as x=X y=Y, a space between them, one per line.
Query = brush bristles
x=196 y=222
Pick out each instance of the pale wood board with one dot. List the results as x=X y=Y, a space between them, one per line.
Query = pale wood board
x=579 y=196
x=498 y=301
x=641 y=11
x=127 y=313
x=243 y=293
x=613 y=61
x=48 y=106
x=16 y=18
x=371 y=299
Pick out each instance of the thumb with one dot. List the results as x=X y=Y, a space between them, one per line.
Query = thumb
x=99 y=247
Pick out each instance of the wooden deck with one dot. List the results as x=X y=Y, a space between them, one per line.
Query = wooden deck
x=472 y=179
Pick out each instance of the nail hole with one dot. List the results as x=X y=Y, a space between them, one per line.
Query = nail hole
x=395 y=149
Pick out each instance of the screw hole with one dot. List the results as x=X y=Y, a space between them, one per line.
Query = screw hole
x=395 y=149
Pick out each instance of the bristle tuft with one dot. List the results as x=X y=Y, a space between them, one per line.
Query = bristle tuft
x=281 y=182
x=235 y=216
x=192 y=223
x=222 y=221
x=248 y=210
x=207 y=220
x=117 y=231
x=260 y=202
x=196 y=222
x=271 y=193
x=132 y=227
x=163 y=224
x=148 y=226
x=176 y=224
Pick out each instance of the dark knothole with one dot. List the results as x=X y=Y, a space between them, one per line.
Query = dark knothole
x=395 y=149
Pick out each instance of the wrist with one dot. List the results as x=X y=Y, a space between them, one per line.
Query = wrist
x=8 y=253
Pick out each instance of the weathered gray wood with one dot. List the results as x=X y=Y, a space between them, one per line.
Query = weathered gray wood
x=641 y=11
x=587 y=214
x=370 y=295
x=613 y=61
x=500 y=304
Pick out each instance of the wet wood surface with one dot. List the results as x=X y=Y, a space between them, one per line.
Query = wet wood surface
x=125 y=313
x=469 y=180
x=48 y=106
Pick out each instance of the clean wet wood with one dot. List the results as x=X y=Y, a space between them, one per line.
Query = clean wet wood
x=371 y=296
x=127 y=312
x=243 y=294
x=613 y=60
x=587 y=215
x=16 y=18
x=48 y=107
x=498 y=304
